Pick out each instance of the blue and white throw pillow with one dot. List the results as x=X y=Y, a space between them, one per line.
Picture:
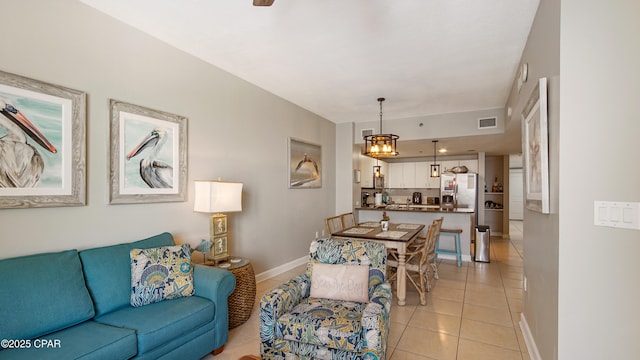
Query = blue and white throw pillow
x=160 y=273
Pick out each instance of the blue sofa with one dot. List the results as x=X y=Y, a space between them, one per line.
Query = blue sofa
x=75 y=305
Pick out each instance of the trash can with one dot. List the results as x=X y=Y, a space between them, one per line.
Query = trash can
x=483 y=241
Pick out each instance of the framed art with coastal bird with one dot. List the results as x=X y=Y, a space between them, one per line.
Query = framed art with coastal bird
x=148 y=155
x=305 y=164
x=42 y=144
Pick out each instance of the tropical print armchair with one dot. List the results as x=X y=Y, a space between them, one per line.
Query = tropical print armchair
x=294 y=325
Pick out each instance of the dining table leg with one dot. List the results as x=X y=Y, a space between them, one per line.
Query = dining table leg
x=401 y=281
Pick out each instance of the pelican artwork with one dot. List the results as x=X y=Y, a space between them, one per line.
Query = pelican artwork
x=307 y=159
x=21 y=164
x=154 y=173
x=312 y=175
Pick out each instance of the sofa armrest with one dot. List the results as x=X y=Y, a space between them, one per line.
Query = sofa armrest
x=375 y=322
x=280 y=301
x=216 y=285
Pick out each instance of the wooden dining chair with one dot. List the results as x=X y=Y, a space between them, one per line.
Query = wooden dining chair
x=419 y=259
x=334 y=224
x=348 y=220
x=432 y=258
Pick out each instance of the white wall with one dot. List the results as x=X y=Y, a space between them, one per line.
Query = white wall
x=599 y=317
x=582 y=286
x=236 y=131
x=344 y=168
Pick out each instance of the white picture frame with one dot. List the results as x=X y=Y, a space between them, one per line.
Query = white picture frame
x=536 y=149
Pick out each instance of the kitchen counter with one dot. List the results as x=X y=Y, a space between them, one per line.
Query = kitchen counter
x=418 y=208
x=462 y=218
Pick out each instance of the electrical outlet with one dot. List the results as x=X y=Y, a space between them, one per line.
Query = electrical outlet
x=524 y=284
x=316 y=234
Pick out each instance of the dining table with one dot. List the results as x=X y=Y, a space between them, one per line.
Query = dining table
x=396 y=237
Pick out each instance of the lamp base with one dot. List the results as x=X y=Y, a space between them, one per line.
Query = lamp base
x=219 y=239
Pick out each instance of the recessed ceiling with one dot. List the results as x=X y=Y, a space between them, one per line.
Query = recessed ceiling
x=336 y=57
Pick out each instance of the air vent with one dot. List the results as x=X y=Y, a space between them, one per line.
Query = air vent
x=366 y=132
x=488 y=123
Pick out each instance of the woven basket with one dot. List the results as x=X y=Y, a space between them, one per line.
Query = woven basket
x=243 y=298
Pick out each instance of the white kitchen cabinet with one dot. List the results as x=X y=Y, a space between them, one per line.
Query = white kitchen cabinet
x=434 y=182
x=395 y=176
x=402 y=175
x=422 y=174
x=409 y=174
x=384 y=168
x=366 y=171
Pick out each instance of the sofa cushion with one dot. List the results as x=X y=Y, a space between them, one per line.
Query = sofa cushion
x=160 y=273
x=88 y=340
x=107 y=271
x=159 y=323
x=28 y=285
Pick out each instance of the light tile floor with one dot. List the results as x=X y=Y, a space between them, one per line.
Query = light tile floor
x=472 y=312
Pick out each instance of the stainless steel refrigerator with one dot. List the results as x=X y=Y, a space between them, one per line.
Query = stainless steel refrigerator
x=464 y=190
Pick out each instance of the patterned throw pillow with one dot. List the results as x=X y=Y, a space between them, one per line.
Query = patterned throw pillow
x=160 y=273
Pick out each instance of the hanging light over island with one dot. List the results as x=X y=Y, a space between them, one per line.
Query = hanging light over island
x=381 y=145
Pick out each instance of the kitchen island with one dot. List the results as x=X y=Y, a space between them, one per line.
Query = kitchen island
x=461 y=218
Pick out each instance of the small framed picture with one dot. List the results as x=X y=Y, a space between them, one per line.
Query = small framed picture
x=305 y=165
x=218 y=249
x=219 y=224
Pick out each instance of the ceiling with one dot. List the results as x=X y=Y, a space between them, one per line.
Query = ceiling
x=336 y=57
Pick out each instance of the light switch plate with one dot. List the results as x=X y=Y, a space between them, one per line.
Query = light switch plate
x=618 y=214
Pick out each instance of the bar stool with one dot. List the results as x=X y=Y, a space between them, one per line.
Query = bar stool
x=457 y=252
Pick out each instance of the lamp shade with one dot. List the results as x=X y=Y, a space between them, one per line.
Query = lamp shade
x=218 y=196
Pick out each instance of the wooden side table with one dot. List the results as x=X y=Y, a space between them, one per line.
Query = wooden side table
x=243 y=298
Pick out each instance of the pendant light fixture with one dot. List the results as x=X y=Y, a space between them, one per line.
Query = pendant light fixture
x=377 y=172
x=435 y=168
x=381 y=145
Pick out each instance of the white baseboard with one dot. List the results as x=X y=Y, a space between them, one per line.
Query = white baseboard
x=281 y=269
x=528 y=339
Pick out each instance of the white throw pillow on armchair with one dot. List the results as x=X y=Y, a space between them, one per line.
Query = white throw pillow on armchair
x=340 y=282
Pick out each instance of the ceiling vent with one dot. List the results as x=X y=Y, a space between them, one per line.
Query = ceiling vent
x=366 y=132
x=488 y=123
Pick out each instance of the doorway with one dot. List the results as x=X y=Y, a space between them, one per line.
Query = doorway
x=516 y=194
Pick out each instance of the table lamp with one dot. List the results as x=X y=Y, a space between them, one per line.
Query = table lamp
x=218 y=197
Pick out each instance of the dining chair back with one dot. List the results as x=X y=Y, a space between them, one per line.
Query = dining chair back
x=348 y=220
x=419 y=258
x=334 y=224
x=431 y=252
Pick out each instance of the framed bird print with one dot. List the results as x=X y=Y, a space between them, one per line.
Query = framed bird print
x=536 y=149
x=148 y=155
x=42 y=144
x=305 y=165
